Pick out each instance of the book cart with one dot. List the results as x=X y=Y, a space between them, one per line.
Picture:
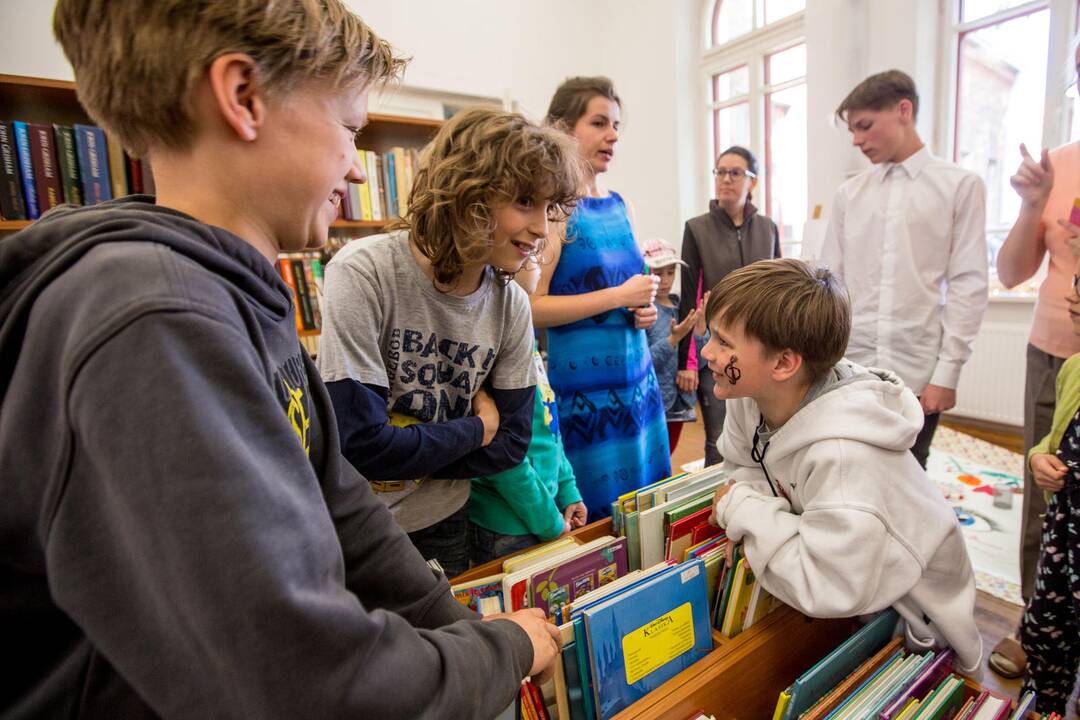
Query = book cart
x=743 y=676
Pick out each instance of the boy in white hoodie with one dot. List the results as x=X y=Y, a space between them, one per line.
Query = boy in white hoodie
x=836 y=517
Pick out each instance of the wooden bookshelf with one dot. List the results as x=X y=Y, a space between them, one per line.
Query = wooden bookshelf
x=743 y=676
x=46 y=100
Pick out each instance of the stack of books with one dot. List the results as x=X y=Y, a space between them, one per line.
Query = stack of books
x=389 y=181
x=871 y=675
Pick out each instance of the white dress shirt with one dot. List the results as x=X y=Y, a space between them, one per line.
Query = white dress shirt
x=909 y=241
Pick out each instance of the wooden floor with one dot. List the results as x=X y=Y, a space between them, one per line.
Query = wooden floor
x=996 y=618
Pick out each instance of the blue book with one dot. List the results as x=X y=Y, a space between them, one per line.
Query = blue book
x=840 y=663
x=574 y=695
x=644 y=636
x=93 y=163
x=26 y=166
x=391 y=186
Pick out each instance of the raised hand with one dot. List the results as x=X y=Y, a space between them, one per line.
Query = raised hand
x=1034 y=178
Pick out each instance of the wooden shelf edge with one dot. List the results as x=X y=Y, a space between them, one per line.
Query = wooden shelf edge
x=433 y=123
x=37 y=82
x=9 y=225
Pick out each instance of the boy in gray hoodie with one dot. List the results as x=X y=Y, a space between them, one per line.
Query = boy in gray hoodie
x=181 y=536
x=836 y=517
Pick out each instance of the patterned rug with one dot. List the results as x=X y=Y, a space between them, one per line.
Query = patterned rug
x=984 y=484
x=969 y=472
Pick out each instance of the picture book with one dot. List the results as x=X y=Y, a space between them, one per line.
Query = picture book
x=742 y=586
x=645 y=635
x=511 y=564
x=922 y=685
x=553 y=587
x=835 y=697
x=483 y=595
x=516 y=584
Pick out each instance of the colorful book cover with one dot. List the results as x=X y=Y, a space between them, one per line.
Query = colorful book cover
x=117 y=167
x=742 y=586
x=373 y=184
x=68 y=164
x=12 y=205
x=26 y=170
x=93 y=164
x=50 y=191
x=392 y=204
x=471 y=593
x=680 y=532
x=640 y=638
x=944 y=702
x=554 y=587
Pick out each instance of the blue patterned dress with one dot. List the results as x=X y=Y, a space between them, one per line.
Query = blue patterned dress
x=610 y=409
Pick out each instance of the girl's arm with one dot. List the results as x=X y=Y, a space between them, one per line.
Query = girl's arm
x=555 y=310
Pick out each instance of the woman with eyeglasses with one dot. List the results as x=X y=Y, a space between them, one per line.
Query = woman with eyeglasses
x=732 y=234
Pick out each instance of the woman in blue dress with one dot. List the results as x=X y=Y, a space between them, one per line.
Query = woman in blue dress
x=596 y=302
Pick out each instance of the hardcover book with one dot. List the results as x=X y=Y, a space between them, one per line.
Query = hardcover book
x=640 y=638
x=554 y=587
x=93 y=163
x=12 y=205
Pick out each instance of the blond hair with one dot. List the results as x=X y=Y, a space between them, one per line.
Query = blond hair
x=479 y=159
x=136 y=63
x=787 y=305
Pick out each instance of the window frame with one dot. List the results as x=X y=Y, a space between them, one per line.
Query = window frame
x=1056 y=108
x=751 y=49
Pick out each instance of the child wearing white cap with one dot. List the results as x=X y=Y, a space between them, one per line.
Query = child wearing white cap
x=665 y=334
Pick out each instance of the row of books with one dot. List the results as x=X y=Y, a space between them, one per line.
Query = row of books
x=608 y=597
x=871 y=675
x=42 y=166
x=385 y=195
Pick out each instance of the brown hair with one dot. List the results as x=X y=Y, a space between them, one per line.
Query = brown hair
x=136 y=63
x=478 y=159
x=787 y=304
x=880 y=91
x=571 y=99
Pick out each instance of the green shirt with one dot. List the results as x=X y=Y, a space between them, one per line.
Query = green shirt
x=1068 y=400
x=530 y=498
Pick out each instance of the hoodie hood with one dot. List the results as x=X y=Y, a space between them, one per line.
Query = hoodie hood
x=866 y=405
x=34 y=257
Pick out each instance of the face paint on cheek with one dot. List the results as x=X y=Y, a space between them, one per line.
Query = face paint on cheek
x=732 y=371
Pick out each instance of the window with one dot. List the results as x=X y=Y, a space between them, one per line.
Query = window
x=755 y=71
x=1009 y=88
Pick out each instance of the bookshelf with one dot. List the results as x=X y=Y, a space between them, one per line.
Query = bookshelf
x=46 y=100
x=742 y=676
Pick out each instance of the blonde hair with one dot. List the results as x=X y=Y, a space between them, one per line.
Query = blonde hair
x=481 y=158
x=136 y=63
x=787 y=304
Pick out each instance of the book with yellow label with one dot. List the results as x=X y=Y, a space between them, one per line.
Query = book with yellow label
x=640 y=638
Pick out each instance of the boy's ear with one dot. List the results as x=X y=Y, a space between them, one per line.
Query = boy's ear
x=786 y=364
x=905 y=109
x=237 y=94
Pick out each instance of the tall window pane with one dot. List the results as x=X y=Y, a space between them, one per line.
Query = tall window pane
x=731 y=126
x=786 y=65
x=1000 y=98
x=731 y=84
x=786 y=157
x=731 y=18
x=778 y=9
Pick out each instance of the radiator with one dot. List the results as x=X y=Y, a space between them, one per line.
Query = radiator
x=992 y=381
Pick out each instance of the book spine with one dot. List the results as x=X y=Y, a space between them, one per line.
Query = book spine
x=26 y=166
x=93 y=163
x=69 y=165
x=12 y=206
x=117 y=169
x=46 y=174
x=300 y=279
x=373 y=185
x=365 y=196
x=135 y=181
x=314 y=297
x=391 y=186
x=402 y=189
x=380 y=165
x=285 y=268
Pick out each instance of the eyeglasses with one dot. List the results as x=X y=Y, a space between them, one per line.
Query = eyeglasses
x=735 y=174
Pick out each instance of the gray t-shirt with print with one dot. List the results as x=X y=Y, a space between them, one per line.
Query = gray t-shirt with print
x=385 y=324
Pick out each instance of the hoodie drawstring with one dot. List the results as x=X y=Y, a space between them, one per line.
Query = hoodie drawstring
x=759 y=456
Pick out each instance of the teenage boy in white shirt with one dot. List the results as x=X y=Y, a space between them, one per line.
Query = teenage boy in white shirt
x=908 y=238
